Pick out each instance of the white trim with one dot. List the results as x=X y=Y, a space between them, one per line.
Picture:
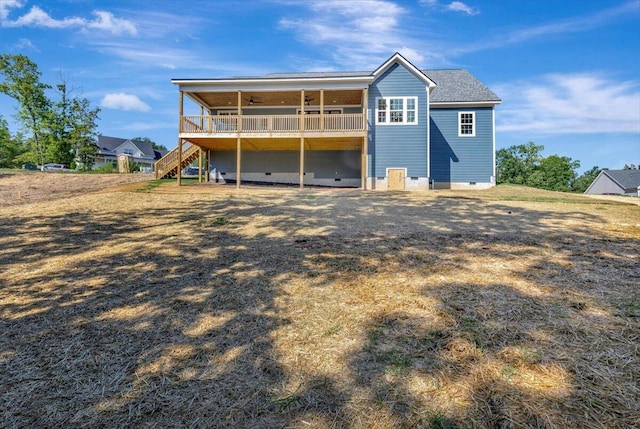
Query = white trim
x=227 y=112
x=404 y=110
x=465 y=104
x=473 y=123
x=270 y=84
x=232 y=81
x=493 y=127
x=396 y=168
x=397 y=58
x=429 y=138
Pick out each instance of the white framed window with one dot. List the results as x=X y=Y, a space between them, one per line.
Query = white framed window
x=397 y=110
x=466 y=124
x=128 y=151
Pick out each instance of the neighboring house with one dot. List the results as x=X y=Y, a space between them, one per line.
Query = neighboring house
x=395 y=128
x=616 y=182
x=140 y=152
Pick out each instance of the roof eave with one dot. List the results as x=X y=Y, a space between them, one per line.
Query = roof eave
x=275 y=83
x=485 y=103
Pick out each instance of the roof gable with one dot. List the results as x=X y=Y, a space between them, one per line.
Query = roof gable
x=112 y=144
x=627 y=179
x=399 y=59
x=109 y=143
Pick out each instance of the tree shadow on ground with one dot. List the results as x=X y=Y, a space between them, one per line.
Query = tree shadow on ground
x=217 y=312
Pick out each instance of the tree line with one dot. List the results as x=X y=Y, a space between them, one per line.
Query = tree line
x=524 y=165
x=60 y=129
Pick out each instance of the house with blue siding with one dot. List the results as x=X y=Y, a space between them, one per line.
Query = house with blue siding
x=393 y=128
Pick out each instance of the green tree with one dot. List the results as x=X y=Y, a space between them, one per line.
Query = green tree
x=21 y=81
x=583 y=181
x=516 y=164
x=629 y=167
x=82 y=132
x=60 y=147
x=555 y=173
x=10 y=147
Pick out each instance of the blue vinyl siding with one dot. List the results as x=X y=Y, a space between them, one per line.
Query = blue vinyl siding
x=398 y=145
x=325 y=164
x=461 y=159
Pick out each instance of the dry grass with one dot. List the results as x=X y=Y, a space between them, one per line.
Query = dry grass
x=211 y=307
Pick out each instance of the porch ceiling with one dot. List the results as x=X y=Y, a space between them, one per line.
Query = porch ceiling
x=252 y=144
x=279 y=98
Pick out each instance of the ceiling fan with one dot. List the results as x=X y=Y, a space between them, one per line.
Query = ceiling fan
x=307 y=100
x=252 y=101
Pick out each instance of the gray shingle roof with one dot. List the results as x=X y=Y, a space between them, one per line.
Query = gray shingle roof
x=458 y=86
x=111 y=143
x=628 y=179
x=312 y=75
x=455 y=85
x=452 y=85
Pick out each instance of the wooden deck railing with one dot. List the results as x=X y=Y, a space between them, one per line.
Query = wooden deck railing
x=272 y=123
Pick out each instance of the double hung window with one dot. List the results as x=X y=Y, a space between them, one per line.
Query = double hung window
x=466 y=124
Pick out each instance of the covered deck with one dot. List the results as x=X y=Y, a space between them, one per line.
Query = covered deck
x=275 y=114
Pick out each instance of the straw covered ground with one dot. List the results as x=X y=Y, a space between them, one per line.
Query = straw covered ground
x=153 y=306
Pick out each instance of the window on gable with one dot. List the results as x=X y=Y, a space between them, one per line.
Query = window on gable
x=466 y=124
x=128 y=151
x=397 y=110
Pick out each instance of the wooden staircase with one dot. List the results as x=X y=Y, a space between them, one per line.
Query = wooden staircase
x=167 y=166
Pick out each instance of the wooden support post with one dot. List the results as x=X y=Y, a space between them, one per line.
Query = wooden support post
x=207 y=171
x=301 y=162
x=322 y=110
x=239 y=113
x=180 y=110
x=200 y=166
x=179 y=167
x=302 y=119
x=302 y=111
x=365 y=139
x=239 y=143
x=238 y=163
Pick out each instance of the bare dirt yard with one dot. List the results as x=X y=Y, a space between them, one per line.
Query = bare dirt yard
x=17 y=187
x=205 y=306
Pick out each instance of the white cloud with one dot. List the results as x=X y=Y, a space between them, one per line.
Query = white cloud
x=551 y=29
x=106 y=21
x=122 y=101
x=458 y=6
x=569 y=104
x=7 y=5
x=36 y=17
x=24 y=44
x=455 y=6
x=368 y=33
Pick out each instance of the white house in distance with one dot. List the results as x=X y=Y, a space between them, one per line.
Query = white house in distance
x=140 y=152
x=621 y=182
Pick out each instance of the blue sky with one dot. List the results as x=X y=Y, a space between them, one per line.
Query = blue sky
x=568 y=72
